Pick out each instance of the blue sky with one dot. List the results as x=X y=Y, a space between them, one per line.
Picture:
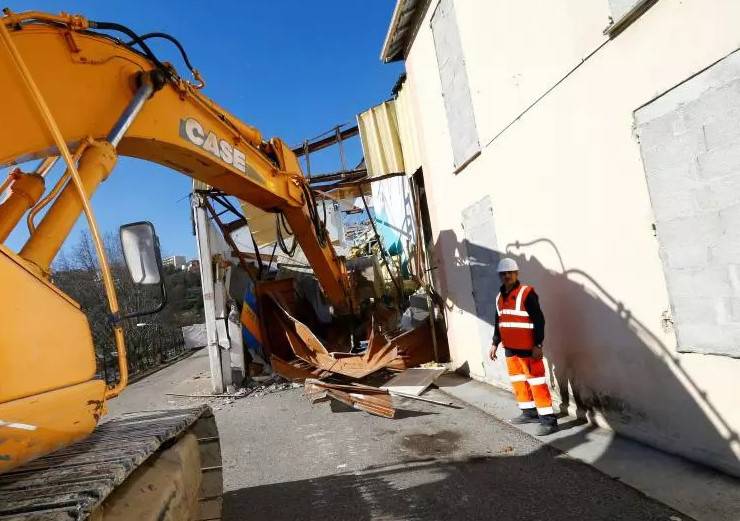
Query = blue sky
x=292 y=68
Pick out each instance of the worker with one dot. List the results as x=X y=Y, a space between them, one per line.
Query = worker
x=520 y=328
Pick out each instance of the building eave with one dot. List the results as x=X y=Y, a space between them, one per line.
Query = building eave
x=407 y=16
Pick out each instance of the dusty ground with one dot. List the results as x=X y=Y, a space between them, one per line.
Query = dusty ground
x=285 y=459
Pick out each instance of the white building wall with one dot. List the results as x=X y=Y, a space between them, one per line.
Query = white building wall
x=554 y=102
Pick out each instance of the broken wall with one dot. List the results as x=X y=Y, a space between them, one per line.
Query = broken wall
x=385 y=131
x=554 y=100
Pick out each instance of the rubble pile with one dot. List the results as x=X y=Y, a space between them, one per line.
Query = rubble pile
x=298 y=355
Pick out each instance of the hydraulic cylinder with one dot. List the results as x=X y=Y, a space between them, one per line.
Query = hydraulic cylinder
x=95 y=165
x=25 y=191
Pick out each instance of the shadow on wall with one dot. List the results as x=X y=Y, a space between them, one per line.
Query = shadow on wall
x=601 y=358
x=432 y=489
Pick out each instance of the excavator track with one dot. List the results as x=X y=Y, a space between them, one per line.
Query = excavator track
x=112 y=469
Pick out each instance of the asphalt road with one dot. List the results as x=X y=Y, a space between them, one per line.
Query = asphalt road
x=286 y=459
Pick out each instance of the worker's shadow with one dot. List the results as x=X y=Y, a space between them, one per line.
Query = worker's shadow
x=603 y=361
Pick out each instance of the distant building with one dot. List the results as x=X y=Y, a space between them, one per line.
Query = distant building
x=175 y=261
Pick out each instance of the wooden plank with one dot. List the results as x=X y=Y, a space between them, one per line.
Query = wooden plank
x=413 y=381
x=354 y=388
x=379 y=405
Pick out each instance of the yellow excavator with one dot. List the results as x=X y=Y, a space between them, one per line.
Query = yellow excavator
x=84 y=92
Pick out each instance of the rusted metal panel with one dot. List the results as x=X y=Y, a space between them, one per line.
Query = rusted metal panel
x=308 y=347
x=296 y=370
x=361 y=397
x=414 y=348
x=274 y=335
x=378 y=405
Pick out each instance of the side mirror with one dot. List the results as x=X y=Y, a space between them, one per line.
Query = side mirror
x=140 y=246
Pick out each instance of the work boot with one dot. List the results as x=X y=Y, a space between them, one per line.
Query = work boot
x=548 y=425
x=527 y=416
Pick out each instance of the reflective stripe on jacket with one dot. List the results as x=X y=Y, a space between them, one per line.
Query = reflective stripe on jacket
x=515 y=325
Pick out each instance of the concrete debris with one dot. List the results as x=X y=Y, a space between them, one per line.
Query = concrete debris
x=254 y=388
x=275 y=385
x=418 y=311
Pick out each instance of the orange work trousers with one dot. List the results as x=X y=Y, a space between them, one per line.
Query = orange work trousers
x=530 y=384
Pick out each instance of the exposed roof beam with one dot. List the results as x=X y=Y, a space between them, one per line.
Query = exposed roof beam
x=319 y=144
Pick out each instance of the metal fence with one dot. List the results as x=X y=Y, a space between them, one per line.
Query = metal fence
x=147 y=350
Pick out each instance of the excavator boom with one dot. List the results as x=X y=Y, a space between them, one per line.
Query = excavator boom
x=88 y=80
x=70 y=90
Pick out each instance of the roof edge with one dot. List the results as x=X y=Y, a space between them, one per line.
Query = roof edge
x=391 y=32
x=407 y=16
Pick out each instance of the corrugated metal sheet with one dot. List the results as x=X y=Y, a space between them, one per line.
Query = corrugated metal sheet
x=389 y=137
x=380 y=138
x=407 y=129
x=261 y=223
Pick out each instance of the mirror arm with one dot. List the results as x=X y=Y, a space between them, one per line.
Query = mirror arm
x=137 y=314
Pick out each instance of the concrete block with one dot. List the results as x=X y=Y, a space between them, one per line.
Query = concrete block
x=733 y=276
x=688 y=283
x=707 y=310
x=723 y=131
x=692 y=256
x=664 y=150
x=683 y=204
x=699 y=338
x=719 y=162
x=733 y=307
x=685 y=242
x=690 y=144
x=716 y=195
x=730 y=217
x=722 y=193
x=701 y=87
x=727 y=251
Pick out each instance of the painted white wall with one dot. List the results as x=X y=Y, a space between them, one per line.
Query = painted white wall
x=563 y=169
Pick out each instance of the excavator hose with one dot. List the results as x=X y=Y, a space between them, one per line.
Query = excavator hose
x=112 y=26
x=164 y=36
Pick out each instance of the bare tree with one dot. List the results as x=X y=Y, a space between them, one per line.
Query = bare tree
x=150 y=339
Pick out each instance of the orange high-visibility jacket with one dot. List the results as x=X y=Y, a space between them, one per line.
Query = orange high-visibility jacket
x=514 y=323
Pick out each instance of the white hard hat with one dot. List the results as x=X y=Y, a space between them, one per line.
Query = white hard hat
x=507 y=264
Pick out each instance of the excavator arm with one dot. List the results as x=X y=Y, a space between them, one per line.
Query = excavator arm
x=71 y=91
x=89 y=79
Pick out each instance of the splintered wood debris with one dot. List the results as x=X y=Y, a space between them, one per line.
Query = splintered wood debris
x=300 y=356
x=371 y=400
x=398 y=351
